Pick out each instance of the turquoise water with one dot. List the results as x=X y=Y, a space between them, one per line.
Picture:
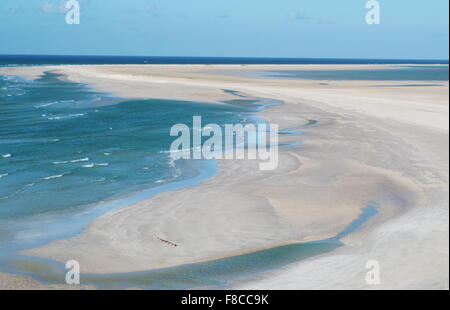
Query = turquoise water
x=211 y=274
x=64 y=146
x=14 y=60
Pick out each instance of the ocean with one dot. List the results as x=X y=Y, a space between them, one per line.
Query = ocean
x=26 y=60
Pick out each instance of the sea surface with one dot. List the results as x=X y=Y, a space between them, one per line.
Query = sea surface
x=64 y=146
x=25 y=60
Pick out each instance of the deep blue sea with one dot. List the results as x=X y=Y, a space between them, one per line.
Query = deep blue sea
x=25 y=60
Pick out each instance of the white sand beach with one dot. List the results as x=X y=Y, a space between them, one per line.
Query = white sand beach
x=374 y=141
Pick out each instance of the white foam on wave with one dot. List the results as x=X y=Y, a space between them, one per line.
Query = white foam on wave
x=45 y=105
x=70 y=161
x=6 y=155
x=54 y=176
x=28 y=185
x=22 y=189
x=102 y=164
x=3 y=175
x=107 y=154
x=65 y=116
x=80 y=160
x=96 y=165
x=60 y=162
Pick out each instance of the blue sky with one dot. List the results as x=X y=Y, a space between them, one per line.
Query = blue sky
x=409 y=29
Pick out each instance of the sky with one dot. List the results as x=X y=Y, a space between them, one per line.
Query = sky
x=408 y=29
